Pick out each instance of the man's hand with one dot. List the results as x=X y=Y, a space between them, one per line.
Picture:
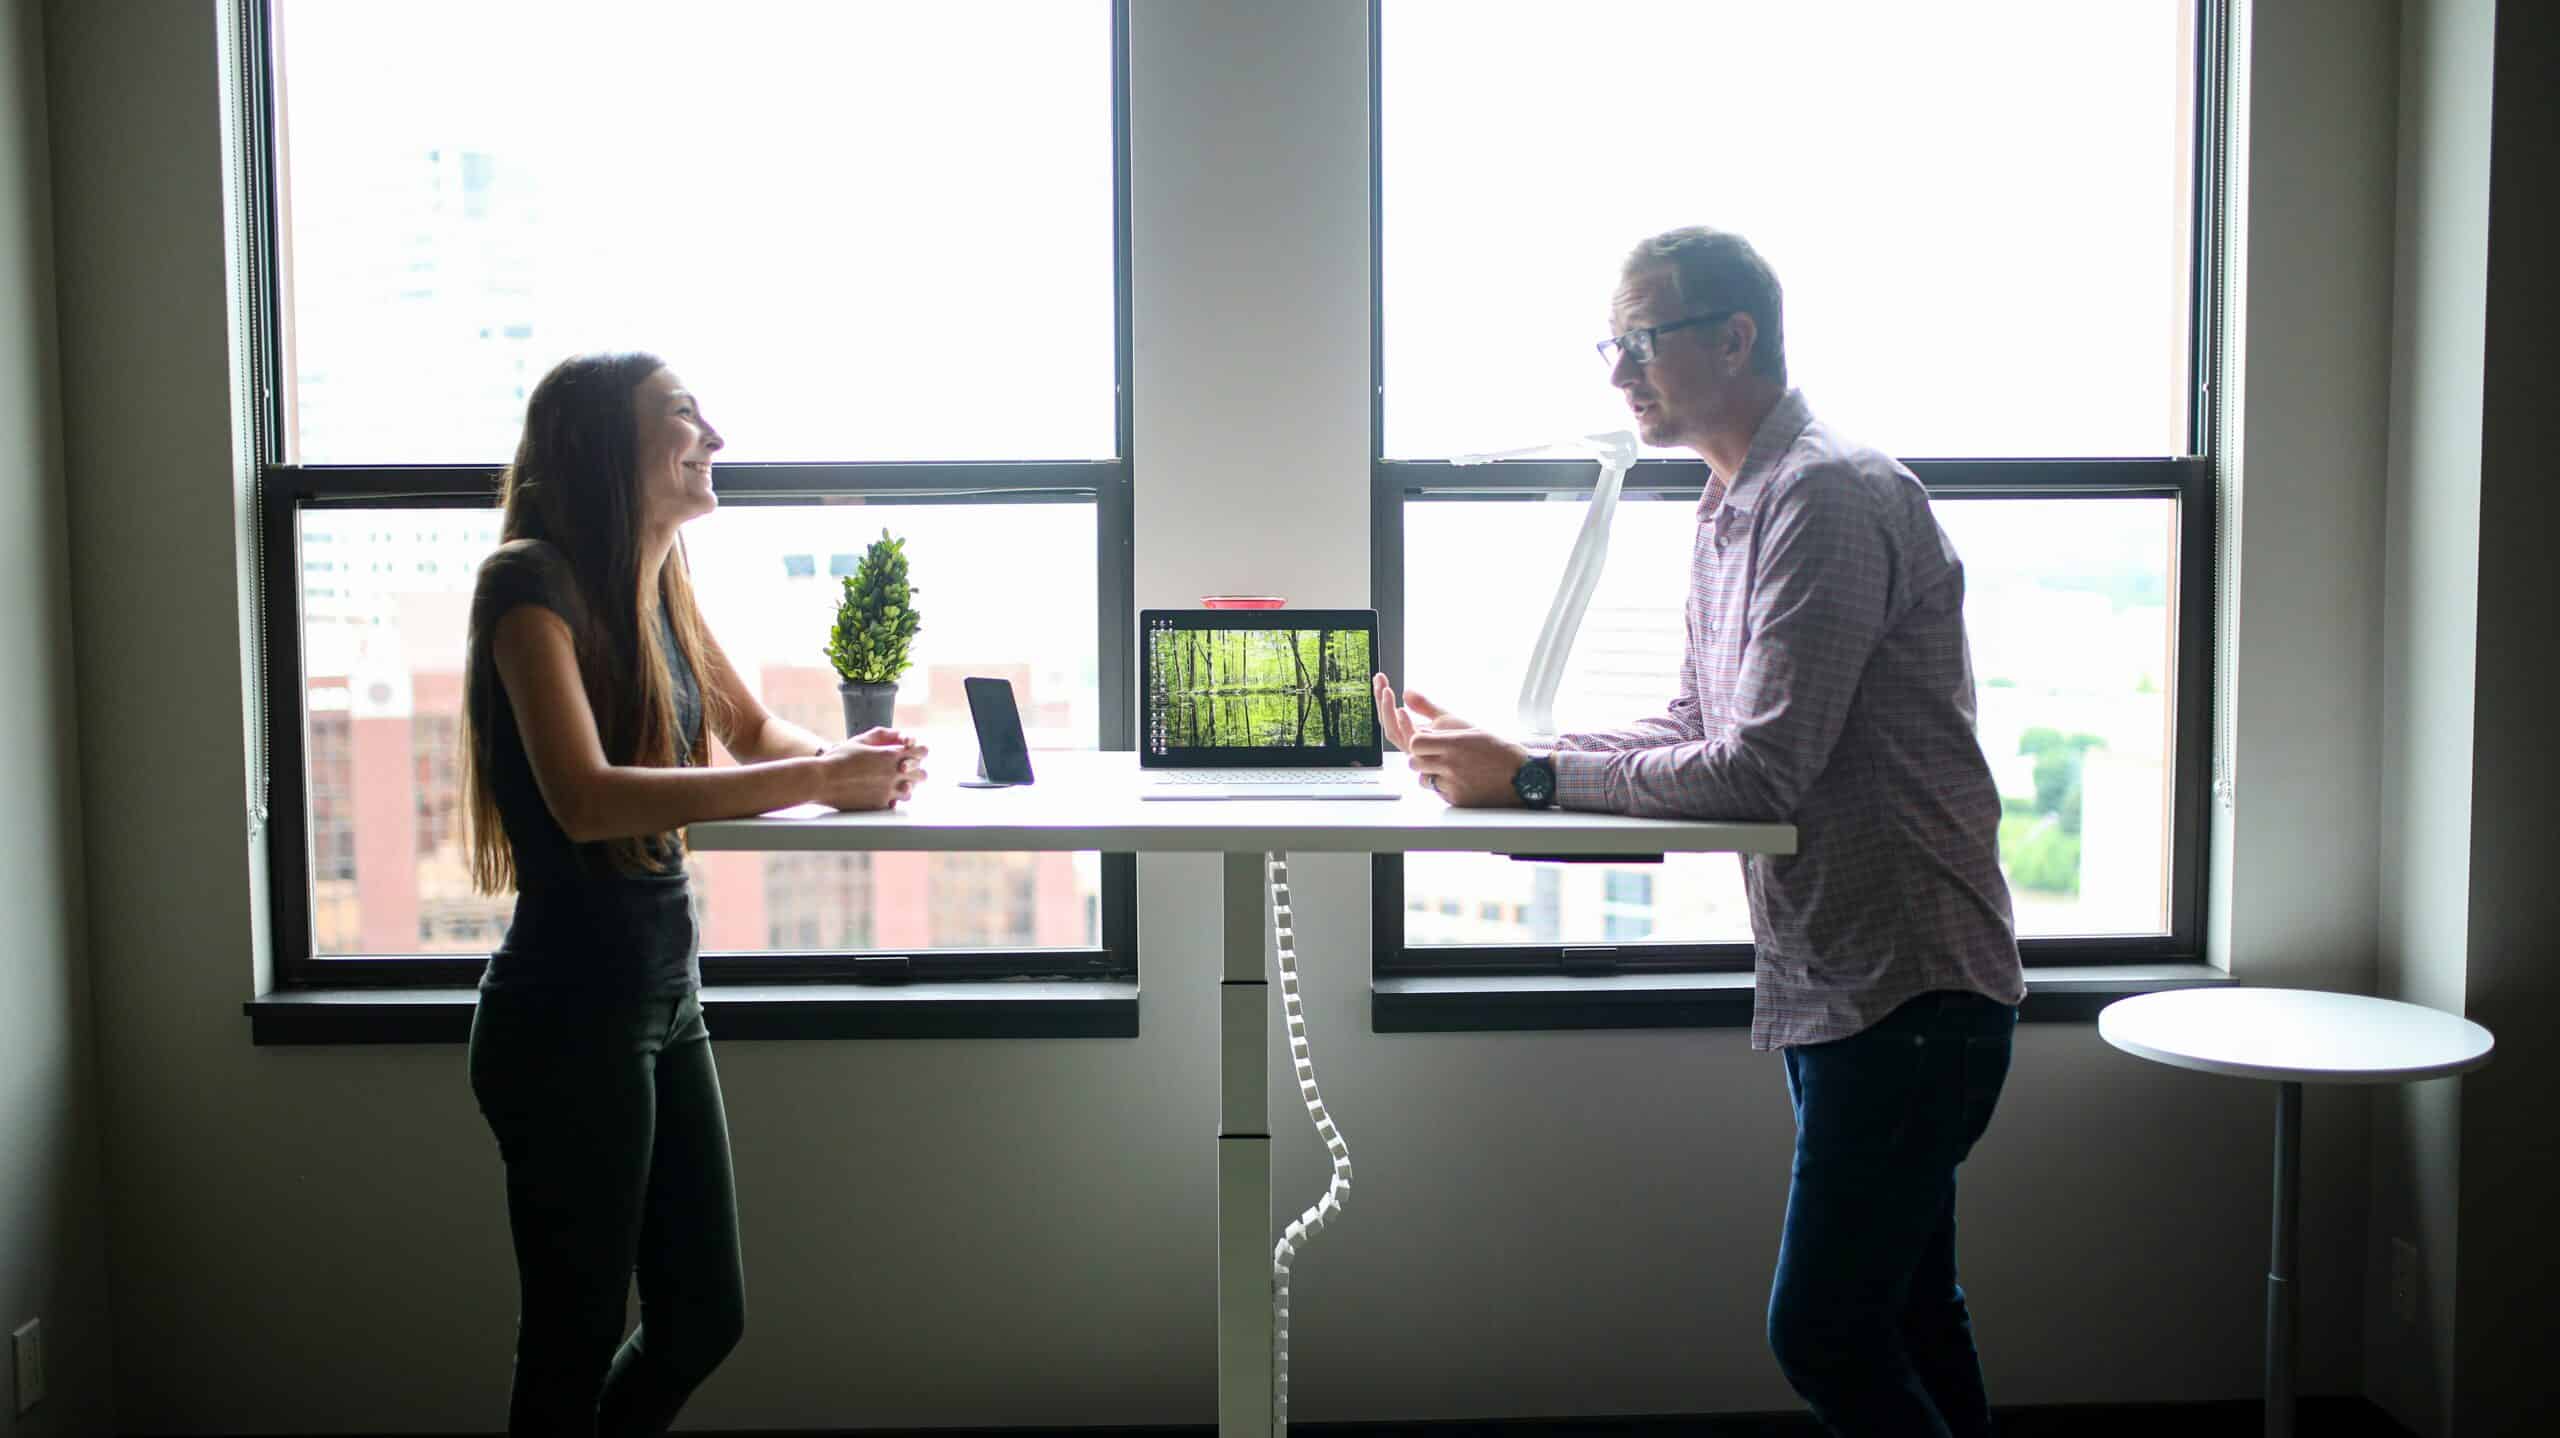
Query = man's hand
x=1467 y=766
x=1415 y=716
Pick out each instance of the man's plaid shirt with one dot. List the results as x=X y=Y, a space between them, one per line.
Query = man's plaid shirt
x=1827 y=684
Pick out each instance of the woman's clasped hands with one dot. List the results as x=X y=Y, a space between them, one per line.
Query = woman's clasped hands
x=874 y=769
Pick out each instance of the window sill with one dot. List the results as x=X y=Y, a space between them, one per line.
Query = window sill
x=1109 y=1008
x=1481 y=1003
x=1076 y=1009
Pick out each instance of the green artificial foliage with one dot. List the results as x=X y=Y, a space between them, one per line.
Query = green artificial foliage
x=876 y=618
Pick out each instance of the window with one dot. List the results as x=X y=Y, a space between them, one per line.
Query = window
x=453 y=202
x=2013 y=306
x=432 y=245
x=2023 y=165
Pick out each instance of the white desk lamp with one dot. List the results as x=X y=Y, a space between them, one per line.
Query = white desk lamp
x=1616 y=451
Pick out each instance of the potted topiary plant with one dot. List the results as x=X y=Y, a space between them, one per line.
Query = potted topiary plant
x=875 y=622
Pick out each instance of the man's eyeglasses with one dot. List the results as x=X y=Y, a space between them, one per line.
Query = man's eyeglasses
x=1637 y=345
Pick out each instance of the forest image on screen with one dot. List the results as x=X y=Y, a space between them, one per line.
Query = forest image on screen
x=1263 y=688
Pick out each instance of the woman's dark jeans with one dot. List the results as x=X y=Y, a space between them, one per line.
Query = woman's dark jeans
x=1865 y=1315
x=608 y=1116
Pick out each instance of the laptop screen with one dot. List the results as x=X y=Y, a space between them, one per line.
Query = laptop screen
x=1257 y=688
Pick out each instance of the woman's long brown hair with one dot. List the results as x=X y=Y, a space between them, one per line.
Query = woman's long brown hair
x=575 y=485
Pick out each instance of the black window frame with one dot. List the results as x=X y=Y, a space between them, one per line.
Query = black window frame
x=2193 y=481
x=282 y=493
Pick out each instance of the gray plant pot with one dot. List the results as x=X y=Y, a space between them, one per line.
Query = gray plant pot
x=867 y=706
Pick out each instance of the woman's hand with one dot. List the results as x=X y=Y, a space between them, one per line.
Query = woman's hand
x=872 y=770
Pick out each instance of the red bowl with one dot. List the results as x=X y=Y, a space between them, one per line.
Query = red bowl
x=1242 y=601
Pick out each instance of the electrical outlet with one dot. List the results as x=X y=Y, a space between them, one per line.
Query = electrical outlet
x=26 y=1342
x=2404 y=1280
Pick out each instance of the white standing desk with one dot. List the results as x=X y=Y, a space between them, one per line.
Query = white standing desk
x=1090 y=801
x=2294 y=1037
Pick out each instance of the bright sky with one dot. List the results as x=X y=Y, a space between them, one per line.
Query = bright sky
x=861 y=231
x=1976 y=208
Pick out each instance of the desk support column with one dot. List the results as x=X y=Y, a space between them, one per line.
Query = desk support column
x=1244 y=1156
x=2281 y=1252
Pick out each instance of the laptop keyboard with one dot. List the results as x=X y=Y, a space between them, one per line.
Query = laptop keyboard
x=1228 y=777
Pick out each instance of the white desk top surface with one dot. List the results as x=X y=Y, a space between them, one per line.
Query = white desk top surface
x=2302 y=1035
x=1086 y=800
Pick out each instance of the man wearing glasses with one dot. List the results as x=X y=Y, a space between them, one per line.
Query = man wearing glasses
x=1827 y=684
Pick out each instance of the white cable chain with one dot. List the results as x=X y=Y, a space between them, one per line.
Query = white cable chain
x=1328 y=1207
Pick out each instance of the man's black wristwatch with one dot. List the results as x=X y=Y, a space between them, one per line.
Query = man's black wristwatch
x=1535 y=782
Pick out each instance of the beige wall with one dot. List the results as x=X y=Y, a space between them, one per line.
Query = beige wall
x=52 y=1253
x=984 y=1233
x=2297 y=845
x=2432 y=583
x=2465 y=1173
x=2510 y=1164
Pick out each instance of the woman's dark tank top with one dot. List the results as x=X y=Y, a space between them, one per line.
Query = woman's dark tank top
x=581 y=925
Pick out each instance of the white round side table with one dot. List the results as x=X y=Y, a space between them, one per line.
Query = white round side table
x=2293 y=1037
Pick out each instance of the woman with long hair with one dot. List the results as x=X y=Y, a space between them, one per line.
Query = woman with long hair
x=591 y=683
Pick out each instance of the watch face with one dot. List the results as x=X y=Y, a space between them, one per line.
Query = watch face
x=1535 y=782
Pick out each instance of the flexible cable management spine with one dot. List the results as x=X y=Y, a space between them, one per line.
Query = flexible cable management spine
x=1328 y=1207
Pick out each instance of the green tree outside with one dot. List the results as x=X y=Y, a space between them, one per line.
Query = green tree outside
x=2040 y=837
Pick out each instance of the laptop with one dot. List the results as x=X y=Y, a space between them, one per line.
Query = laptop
x=1259 y=704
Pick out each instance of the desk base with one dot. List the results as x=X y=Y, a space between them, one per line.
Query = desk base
x=1244 y=1156
x=2283 y=1306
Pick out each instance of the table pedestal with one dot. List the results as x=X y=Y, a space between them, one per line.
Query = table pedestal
x=2282 y=1305
x=1244 y=1156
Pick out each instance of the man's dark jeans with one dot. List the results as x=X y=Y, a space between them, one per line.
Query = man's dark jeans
x=608 y=1116
x=1865 y=1315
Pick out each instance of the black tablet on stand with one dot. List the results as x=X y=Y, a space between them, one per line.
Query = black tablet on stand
x=1003 y=758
